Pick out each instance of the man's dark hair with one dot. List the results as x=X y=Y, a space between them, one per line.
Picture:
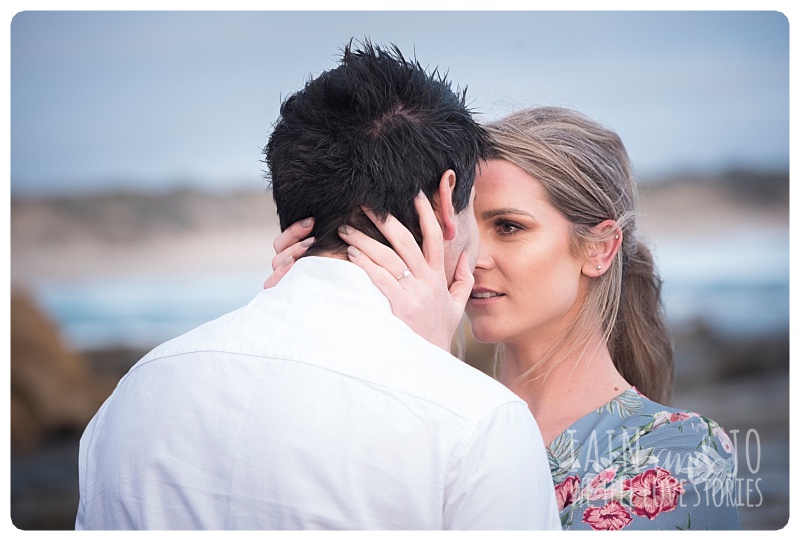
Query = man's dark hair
x=374 y=131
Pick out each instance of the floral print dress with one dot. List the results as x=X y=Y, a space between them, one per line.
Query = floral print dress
x=636 y=464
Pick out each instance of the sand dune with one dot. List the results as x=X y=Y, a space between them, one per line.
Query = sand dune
x=133 y=234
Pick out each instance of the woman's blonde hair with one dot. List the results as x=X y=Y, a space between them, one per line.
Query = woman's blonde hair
x=586 y=172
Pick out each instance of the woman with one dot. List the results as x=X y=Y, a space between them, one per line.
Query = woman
x=571 y=296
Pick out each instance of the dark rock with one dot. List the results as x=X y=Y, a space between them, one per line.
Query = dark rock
x=53 y=390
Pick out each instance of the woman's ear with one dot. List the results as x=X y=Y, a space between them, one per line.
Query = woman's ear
x=443 y=205
x=601 y=252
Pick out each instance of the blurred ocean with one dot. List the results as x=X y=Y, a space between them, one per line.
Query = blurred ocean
x=737 y=283
x=141 y=311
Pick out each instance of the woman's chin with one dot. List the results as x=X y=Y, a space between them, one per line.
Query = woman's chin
x=483 y=333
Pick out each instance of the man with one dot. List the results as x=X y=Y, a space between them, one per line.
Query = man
x=313 y=407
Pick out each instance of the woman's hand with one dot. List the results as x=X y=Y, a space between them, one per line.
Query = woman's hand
x=414 y=281
x=288 y=246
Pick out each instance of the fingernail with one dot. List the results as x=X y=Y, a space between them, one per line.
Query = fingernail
x=287 y=261
x=345 y=229
x=307 y=222
x=421 y=194
x=352 y=251
x=307 y=242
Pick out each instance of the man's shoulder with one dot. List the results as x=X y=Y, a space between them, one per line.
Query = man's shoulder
x=368 y=347
x=431 y=373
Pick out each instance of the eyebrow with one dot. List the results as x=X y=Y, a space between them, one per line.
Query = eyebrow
x=489 y=214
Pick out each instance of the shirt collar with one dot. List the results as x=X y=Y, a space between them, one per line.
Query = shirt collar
x=334 y=280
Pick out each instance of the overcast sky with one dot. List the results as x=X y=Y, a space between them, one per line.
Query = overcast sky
x=163 y=99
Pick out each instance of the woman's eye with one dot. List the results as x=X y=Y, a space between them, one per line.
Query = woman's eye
x=507 y=228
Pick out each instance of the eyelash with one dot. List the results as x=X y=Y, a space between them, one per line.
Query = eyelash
x=502 y=223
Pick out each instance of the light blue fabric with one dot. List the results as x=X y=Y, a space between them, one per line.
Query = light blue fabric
x=636 y=464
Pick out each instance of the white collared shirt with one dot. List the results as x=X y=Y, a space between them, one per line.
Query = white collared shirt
x=312 y=407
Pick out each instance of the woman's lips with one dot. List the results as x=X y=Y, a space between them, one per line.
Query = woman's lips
x=484 y=296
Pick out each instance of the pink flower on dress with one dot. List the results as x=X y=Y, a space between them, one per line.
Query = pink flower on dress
x=681 y=416
x=612 y=516
x=599 y=489
x=567 y=491
x=666 y=417
x=653 y=492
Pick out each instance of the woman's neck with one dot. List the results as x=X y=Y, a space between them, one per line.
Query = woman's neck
x=559 y=394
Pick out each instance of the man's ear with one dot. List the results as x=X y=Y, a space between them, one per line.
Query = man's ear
x=443 y=205
x=600 y=253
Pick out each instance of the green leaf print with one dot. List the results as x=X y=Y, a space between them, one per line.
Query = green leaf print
x=562 y=454
x=624 y=405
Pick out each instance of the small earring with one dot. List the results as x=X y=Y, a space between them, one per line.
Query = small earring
x=599 y=267
x=616 y=237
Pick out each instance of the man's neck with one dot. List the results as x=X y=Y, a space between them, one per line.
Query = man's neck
x=329 y=254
